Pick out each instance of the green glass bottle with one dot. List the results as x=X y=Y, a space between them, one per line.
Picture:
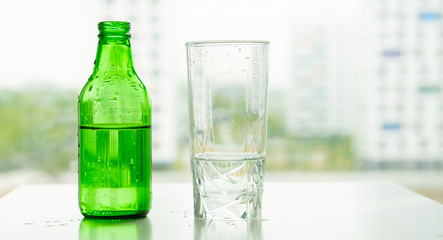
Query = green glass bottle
x=114 y=117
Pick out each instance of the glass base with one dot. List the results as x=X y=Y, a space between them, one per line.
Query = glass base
x=228 y=190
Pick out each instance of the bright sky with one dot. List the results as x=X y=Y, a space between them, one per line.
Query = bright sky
x=53 y=42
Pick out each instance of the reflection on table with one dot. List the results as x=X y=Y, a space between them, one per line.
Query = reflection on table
x=93 y=229
x=231 y=230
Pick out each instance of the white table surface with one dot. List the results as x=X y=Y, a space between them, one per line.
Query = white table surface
x=321 y=210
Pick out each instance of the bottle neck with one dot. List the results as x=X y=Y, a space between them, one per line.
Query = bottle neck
x=113 y=54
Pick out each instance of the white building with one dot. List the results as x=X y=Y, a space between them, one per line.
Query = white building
x=401 y=114
x=321 y=87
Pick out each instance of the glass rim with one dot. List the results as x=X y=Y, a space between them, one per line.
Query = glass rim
x=226 y=42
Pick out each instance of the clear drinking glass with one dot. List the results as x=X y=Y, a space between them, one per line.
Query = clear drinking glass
x=228 y=82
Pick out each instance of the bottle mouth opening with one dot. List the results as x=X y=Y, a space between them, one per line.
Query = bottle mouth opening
x=114 y=28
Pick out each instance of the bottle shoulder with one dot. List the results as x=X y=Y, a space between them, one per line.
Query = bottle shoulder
x=101 y=86
x=114 y=100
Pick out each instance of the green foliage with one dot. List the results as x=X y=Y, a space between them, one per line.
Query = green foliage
x=315 y=153
x=37 y=129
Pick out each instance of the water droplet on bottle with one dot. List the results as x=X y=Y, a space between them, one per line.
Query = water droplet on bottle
x=112 y=66
x=90 y=88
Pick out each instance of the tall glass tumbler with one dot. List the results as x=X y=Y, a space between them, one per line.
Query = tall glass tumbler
x=227 y=83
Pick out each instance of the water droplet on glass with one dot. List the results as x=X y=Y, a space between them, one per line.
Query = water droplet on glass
x=247 y=58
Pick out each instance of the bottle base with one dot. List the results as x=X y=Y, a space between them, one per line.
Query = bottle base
x=115 y=216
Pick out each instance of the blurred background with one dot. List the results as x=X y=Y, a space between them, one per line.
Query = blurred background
x=355 y=88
